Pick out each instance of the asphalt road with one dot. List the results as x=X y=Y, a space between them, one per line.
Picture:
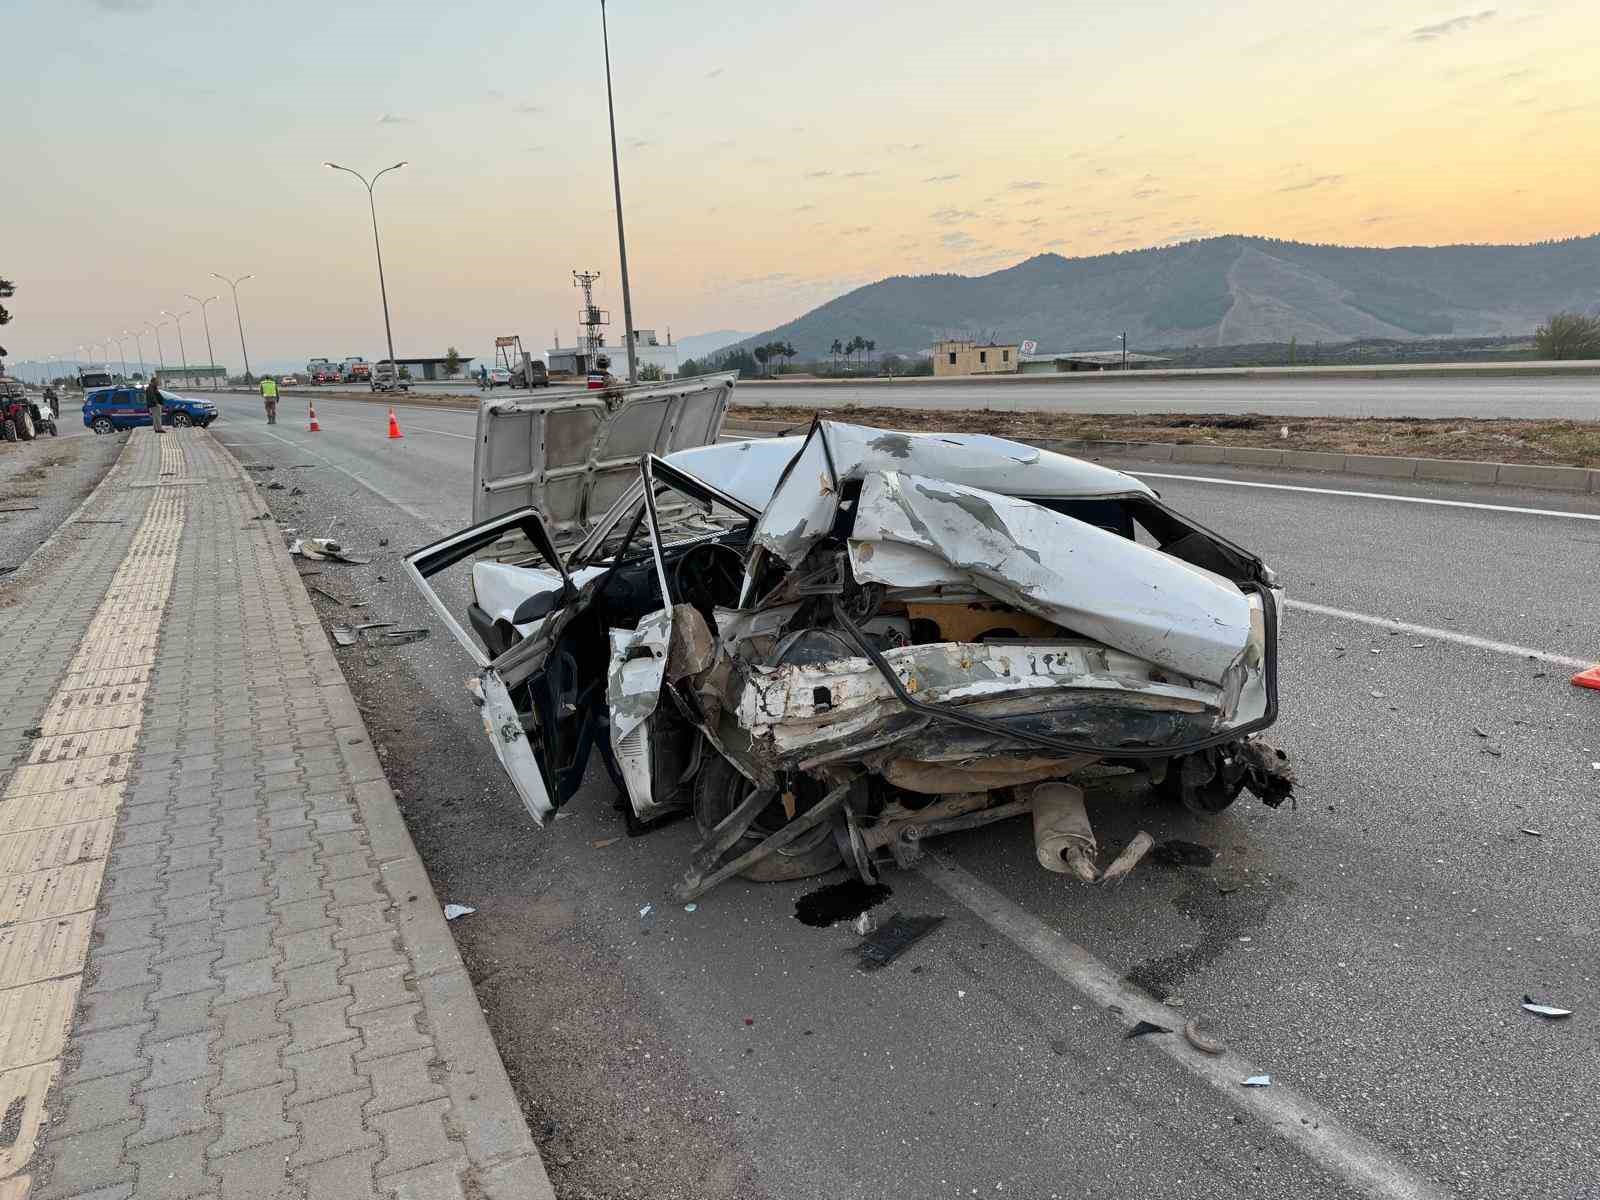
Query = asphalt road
x=1465 y=396
x=1368 y=947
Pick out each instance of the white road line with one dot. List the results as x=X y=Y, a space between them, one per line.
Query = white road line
x=1442 y=635
x=411 y=512
x=1363 y=1164
x=1251 y=404
x=1290 y=487
x=445 y=433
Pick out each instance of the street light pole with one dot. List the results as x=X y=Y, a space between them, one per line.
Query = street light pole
x=161 y=356
x=138 y=338
x=1124 y=349
x=177 y=319
x=206 y=321
x=234 y=284
x=122 y=350
x=616 y=187
x=383 y=290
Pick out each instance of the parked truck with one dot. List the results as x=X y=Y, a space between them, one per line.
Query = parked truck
x=355 y=369
x=321 y=370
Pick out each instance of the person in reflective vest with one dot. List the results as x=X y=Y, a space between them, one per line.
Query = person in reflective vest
x=269 y=397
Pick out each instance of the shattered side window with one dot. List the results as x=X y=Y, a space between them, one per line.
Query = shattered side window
x=683 y=518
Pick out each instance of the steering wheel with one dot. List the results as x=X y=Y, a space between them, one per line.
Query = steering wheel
x=708 y=575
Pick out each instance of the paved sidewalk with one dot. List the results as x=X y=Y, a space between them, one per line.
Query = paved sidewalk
x=223 y=971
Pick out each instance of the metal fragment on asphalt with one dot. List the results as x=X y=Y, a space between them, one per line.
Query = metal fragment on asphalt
x=1258 y=1081
x=1545 y=1010
x=452 y=911
x=1144 y=1028
x=894 y=937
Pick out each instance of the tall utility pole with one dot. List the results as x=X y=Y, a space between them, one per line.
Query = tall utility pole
x=138 y=338
x=177 y=319
x=207 y=323
x=234 y=284
x=161 y=355
x=383 y=291
x=1124 y=349
x=616 y=185
x=122 y=351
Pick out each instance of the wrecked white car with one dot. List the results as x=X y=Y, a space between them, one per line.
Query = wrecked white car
x=830 y=646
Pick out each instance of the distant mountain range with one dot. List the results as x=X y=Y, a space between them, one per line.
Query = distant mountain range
x=1219 y=291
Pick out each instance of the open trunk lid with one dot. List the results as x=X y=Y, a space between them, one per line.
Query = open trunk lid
x=571 y=457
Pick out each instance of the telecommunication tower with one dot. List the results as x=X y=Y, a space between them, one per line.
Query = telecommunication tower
x=591 y=319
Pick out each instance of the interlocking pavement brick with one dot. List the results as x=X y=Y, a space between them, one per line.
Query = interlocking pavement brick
x=390 y=1031
x=177 y=1015
x=252 y=1065
x=242 y=981
x=170 y=1111
x=259 y=1173
x=178 y=1059
x=173 y=1169
x=309 y=946
x=112 y=972
x=401 y=1080
x=321 y=1024
x=135 y=933
x=81 y=1162
x=331 y=1128
x=109 y=1051
x=250 y=1021
x=385 y=987
x=372 y=951
x=191 y=937
x=191 y=973
x=414 y=1136
x=253 y=1119
x=296 y=915
x=95 y=1103
x=242 y=945
x=348 y=1177
x=312 y=984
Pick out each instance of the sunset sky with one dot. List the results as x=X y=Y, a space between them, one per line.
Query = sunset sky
x=772 y=156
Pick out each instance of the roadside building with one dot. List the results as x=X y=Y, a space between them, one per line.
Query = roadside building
x=966 y=357
x=648 y=349
x=1084 y=360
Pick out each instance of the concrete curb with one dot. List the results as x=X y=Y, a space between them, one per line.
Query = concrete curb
x=504 y=1158
x=1435 y=470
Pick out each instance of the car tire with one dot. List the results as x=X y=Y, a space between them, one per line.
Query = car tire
x=52 y=430
x=102 y=425
x=718 y=790
x=182 y=420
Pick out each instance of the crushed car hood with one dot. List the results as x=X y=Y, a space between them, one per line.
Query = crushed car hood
x=570 y=458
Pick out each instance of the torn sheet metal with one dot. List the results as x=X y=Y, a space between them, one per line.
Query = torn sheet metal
x=633 y=688
x=806 y=500
x=503 y=726
x=1091 y=581
x=794 y=706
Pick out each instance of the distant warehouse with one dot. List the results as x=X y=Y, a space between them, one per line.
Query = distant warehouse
x=965 y=357
x=1084 y=360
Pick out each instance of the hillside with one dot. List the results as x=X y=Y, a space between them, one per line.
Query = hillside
x=1220 y=291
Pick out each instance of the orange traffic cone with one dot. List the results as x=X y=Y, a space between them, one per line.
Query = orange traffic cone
x=394 y=425
x=311 y=405
x=1588 y=679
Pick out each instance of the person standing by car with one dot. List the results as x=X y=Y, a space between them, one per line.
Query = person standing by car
x=152 y=401
x=269 y=397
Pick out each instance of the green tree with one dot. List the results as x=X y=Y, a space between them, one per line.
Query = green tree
x=762 y=353
x=452 y=362
x=869 y=346
x=836 y=350
x=693 y=367
x=7 y=290
x=650 y=373
x=789 y=352
x=1568 y=335
x=1293 y=346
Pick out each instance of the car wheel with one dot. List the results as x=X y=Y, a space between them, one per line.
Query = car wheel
x=719 y=789
x=102 y=425
x=182 y=420
x=8 y=429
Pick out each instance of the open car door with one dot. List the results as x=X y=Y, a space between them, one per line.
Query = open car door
x=532 y=712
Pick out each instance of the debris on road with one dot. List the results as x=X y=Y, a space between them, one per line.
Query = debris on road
x=1199 y=1035
x=602 y=843
x=1533 y=832
x=842 y=901
x=893 y=938
x=326 y=594
x=1258 y=1081
x=1129 y=858
x=452 y=911
x=1545 y=1010
x=343 y=635
x=400 y=637
x=322 y=549
x=1063 y=839
x=1144 y=1028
